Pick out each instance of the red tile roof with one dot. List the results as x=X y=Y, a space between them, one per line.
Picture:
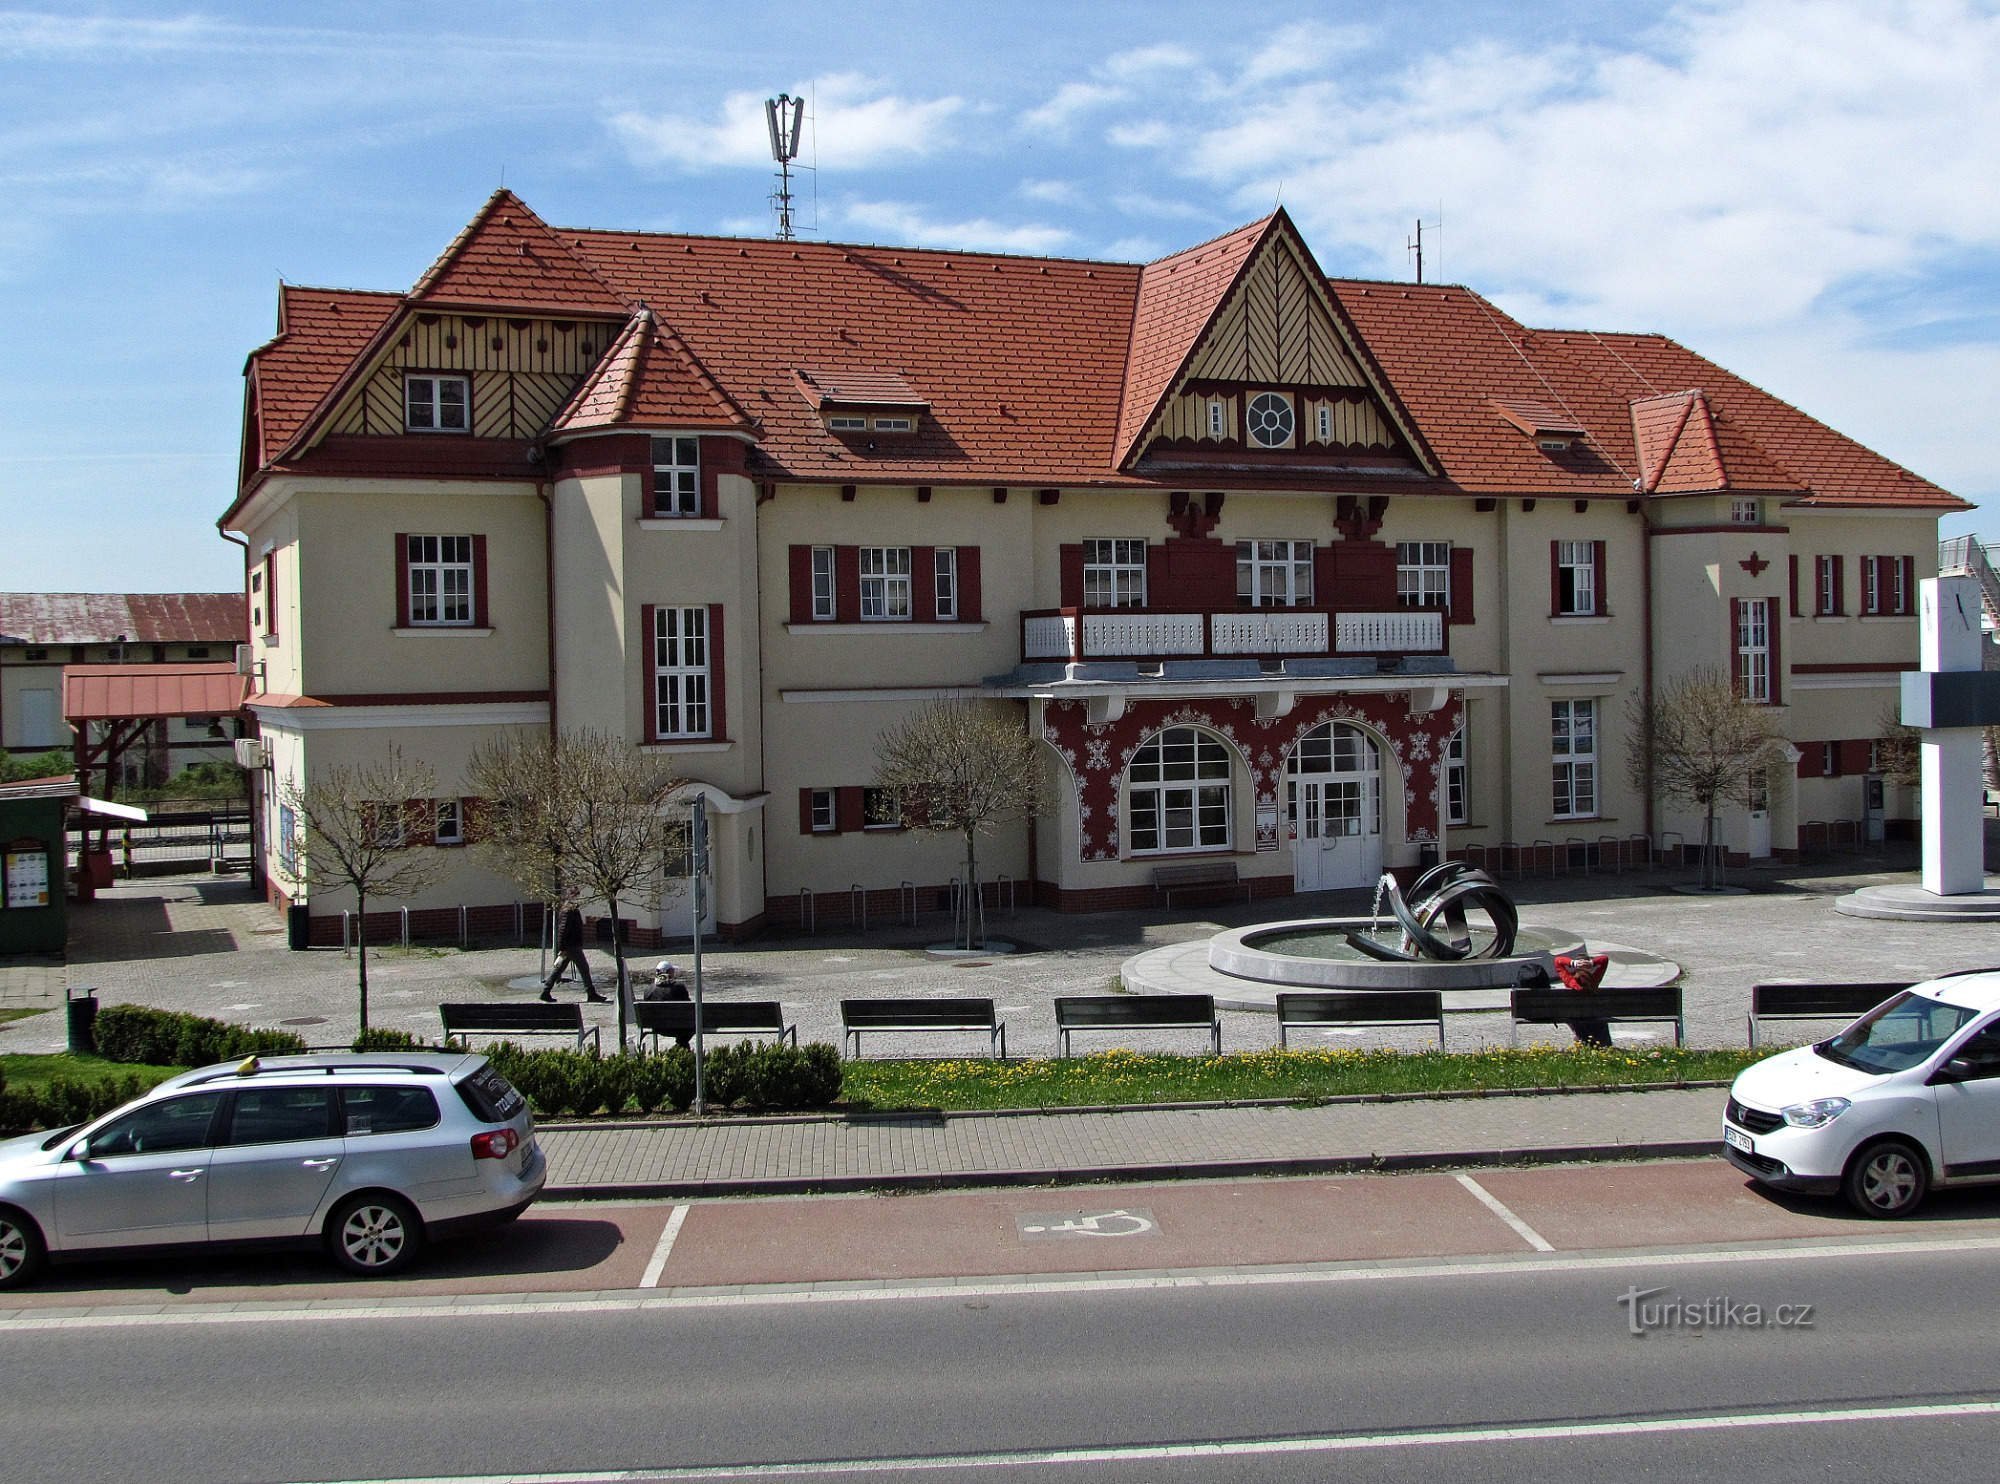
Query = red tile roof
x=1046 y=371
x=141 y=618
x=111 y=692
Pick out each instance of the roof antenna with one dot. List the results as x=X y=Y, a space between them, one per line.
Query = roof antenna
x=1415 y=245
x=784 y=116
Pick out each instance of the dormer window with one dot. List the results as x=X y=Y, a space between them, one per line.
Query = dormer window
x=847 y=424
x=437 y=404
x=1270 y=420
x=895 y=424
x=1553 y=445
x=1746 y=512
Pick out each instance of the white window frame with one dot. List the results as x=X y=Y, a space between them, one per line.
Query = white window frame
x=1178 y=790
x=427 y=408
x=1114 y=573
x=1753 y=649
x=1826 y=587
x=825 y=812
x=447 y=822
x=885 y=584
x=1323 y=417
x=895 y=425
x=440 y=580
x=822 y=583
x=944 y=583
x=681 y=696
x=1274 y=574
x=676 y=476
x=1573 y=753
x=1576 y=579
x=1271 y=421
x=1423 y=574
x=1456 y=780
x=1746 y=512
x=846 y=423
x=1218 y=418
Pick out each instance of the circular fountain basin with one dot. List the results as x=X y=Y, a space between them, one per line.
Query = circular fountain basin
x=1312 y=953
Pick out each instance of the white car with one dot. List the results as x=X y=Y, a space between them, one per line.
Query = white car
x=1904 y=1099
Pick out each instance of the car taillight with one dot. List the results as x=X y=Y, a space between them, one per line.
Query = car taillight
x=497 y=1144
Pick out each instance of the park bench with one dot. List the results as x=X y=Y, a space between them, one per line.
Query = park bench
x=1842 y=1002
x=509 y=1020
x=1344 y=1010
x=676 y=1018
x=1612 y=1006
x=902 y=1016
x=1137 y=1012
x=1207 y=876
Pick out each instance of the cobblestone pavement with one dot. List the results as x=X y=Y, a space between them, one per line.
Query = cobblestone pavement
x=204 y=944
x=743 y=1155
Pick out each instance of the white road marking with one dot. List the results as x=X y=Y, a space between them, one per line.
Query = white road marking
x=477 y=1306
x=1246 y=1447
x=1492 y=1203
x=651 y=1277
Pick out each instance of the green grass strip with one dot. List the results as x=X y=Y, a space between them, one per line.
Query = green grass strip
x=1131 y=1077
x=34 y=1073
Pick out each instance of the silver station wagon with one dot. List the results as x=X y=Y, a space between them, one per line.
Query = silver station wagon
x=372 y=1154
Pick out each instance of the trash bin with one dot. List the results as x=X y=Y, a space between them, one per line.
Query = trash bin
x=97 y=868
x=83 y=1022
x=298 y=927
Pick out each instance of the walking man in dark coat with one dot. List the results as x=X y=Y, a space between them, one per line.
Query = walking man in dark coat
x=569 y=951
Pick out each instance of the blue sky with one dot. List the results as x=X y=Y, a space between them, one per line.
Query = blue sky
x=1801 y=191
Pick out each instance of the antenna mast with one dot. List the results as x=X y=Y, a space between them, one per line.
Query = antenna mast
x=1415 y=245
x=784 y=115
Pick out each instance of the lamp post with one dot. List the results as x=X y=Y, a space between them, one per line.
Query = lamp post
x=698 y=860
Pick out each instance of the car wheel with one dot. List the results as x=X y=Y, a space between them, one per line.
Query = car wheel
x=374 y=1235
x=22 y=1251
x=1887 y=1179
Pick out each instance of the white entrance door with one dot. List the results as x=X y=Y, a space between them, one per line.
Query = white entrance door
x=677 y=900
x=1333 y=792
x=1758 y=846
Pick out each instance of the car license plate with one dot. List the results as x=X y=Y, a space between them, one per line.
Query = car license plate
x=1736 y=1139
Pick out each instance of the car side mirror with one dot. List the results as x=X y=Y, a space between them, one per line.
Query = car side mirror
x=1958 y=1069
x=79 y=1151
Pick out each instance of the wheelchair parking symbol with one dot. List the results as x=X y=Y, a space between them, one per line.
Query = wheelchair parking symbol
x=1125 y=1221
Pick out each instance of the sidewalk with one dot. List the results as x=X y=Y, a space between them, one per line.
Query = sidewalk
x=927 y=1151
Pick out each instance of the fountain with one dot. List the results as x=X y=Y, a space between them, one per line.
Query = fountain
x=1433 y=942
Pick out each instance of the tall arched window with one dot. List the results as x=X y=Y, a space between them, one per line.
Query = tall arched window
x=1177 y=793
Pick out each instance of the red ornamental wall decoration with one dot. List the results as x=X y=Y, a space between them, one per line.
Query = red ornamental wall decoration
x=1098 y=754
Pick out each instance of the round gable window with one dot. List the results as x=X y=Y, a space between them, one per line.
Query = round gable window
x=1270 y=420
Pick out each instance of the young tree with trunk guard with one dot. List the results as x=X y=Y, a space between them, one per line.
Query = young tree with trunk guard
x=1698 y=742
x=579 y=814
x=357 y=829
x=957 y=767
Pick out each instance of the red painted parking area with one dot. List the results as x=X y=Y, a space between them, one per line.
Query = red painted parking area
x=556 y=1249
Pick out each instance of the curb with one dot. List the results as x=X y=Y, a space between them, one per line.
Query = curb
x=1349 y=1164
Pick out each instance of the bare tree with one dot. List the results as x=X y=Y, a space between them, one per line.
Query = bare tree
x=956 y=767
x=1697 y=742
x=1898 y=749
x=366 y=829
x=579 y=814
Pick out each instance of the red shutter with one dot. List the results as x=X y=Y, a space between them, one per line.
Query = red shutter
x=1070 y=559
x=1555 y=577
x=718 y=692
x=1326 y=575
x=419 y=822
x=709 y=454
x=270 y=592
x=805 y=811
x=1795 y=584
x=849 y=813
x=847 y=584
x=402 y=583
x=482 y=614
x=969 y=594
x=802 y=584
x=649 y=675
x=1839 y=586
x=1597 y=572
x=923 y=584
x=1461 y=585
x=1729 y=647
x=1909 y=593
x=1854 y=757
x=1777 y=660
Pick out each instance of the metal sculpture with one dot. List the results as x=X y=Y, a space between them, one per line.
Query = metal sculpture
x=1441 y=896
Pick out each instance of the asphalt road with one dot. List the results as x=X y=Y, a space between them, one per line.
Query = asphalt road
x=1369 y=1375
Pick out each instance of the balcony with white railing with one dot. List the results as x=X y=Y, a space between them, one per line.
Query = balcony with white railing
x=1077 y=634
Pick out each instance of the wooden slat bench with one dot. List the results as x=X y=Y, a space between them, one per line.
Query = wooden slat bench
x=509 y=1020
x=1841 y=1002
x=901 y=1016
x=1137 y=1012
x=1346 y=1009
x=1612 y=1006
x=657 y=1018
x=1199 y=876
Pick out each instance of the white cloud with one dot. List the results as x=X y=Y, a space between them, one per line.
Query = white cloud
x=1150 y=134
x=1165 y=56
x=899 y=221
x=1135 y=250
x=1302 y=47
x=1052 y=192
x=852 y=122
x=1071 y=100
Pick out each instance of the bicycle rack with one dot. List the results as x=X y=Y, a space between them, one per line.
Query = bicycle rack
x=463 y=920
x=1008 y=883
x=907 y=892
x=346 y=943
x=403 y=914
x=806 y=922
x=857 y=905
x=1536 y=850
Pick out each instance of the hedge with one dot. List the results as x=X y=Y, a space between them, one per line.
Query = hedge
x=577 y=1084
x=63 y=1102
x=168 y=1038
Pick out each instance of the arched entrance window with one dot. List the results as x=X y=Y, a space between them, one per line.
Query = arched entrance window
x=1333 y=803
x=1177 y=793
